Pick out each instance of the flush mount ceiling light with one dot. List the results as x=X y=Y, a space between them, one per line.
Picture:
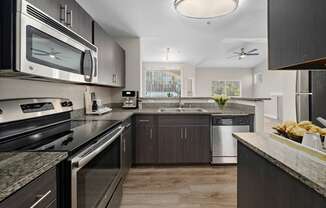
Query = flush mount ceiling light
x=205 y=9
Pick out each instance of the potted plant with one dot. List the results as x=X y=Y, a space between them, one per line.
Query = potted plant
x=221 y=101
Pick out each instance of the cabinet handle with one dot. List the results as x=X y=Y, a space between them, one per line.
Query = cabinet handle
x=124 y=145
x=185 y=133
x=143 y=121
x=151 y=133
x=181 y=133
x=69 y=18
x=63 y=14
x=41 y=198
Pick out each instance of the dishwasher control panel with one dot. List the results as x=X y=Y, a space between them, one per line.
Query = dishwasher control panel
x=231 y=120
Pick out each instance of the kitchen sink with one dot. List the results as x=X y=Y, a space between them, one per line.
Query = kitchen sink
x=182 y=110
x=170 y=110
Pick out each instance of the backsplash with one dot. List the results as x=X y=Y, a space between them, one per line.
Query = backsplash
x=16 y=88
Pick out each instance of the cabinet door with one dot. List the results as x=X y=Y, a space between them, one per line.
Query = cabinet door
x=170 y=144
x=105 y=46
x=196 y=148
x=296 y=32
x=80 y=21
x=145 y=145
x=50 y=7
x=119 y=64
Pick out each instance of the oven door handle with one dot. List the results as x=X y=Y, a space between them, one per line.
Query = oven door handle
x=80 y=161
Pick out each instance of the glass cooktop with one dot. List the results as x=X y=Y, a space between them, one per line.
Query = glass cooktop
x=69 y=136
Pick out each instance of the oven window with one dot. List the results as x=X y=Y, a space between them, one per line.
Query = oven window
x=95 y=179
x=49 y=51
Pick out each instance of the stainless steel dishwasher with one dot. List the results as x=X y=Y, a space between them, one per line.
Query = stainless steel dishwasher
x=224 y=146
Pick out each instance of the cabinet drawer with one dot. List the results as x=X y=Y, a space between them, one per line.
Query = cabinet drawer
x=144 y=120
x=171 y=120
x=40 y=193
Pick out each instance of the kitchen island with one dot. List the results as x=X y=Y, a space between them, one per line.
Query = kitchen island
x=277 y=174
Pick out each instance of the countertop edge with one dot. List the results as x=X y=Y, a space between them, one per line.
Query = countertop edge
x=19 y=184
x=204 y=98
x=283 y=166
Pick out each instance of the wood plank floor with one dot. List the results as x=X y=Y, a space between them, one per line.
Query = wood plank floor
x=184 y=187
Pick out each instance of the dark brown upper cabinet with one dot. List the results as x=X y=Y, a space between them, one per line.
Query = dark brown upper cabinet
x=111 y=58
x=296 y=34
x=69 y=13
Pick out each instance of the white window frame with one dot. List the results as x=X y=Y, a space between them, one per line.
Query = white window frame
x=222 y=80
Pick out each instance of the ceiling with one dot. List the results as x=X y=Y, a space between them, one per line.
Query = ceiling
x=190 y=41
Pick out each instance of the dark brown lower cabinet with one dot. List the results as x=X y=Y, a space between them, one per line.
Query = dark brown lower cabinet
x=183 y=139
x=170 y=144
x=262 y=184
x=40 y=193
x=145 y=144
x=196 y=145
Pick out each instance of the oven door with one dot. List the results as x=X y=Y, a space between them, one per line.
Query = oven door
x=96 y=172
x=47 y=49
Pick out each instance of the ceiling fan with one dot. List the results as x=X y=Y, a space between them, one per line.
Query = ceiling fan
x=51 y=54
x=242 y=54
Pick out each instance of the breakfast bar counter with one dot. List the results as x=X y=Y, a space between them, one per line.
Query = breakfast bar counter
x=273 y=172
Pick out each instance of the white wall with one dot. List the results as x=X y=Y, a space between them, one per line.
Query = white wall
x=14 y=88
x=205 y=76
x=188 y=72
x=273 y=83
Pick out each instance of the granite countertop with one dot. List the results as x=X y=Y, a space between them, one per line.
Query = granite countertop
x=310 y=169
x=123 y=114
x=19 y=168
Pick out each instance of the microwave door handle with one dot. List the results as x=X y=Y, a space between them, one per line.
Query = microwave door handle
x=95 y=67
x=82 y=161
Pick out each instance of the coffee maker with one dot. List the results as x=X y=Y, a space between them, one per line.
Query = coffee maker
x=130 y=99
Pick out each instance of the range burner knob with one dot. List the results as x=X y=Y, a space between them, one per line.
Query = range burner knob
x=64 y=104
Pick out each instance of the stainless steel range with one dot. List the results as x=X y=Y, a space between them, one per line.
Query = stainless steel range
x=93 y=170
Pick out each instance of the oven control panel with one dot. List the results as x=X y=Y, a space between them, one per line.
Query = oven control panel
x=36 y=107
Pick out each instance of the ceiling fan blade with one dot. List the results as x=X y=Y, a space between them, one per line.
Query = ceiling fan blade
x=237 y=53
x=253 y=50
x=252 y=54
x=39 y=50
x=41 y=54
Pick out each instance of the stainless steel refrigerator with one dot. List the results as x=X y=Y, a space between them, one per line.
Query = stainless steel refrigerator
x=311 y=95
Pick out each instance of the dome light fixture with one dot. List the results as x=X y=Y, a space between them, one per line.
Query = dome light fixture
x=205 y=9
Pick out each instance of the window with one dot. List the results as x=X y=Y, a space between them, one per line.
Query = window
x=228 y=88
x=162 y=83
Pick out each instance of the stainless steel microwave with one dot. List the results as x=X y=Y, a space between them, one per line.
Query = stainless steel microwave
x=40 y=47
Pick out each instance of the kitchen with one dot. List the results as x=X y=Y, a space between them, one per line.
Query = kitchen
x=150 y=103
